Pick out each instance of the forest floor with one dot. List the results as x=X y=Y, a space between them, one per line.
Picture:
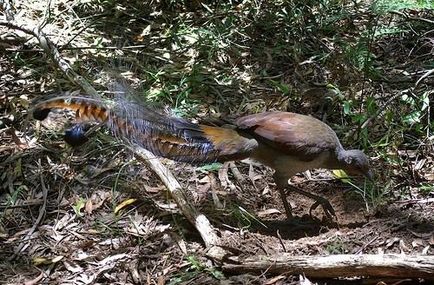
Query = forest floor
x=68 y=221
x=97 y=215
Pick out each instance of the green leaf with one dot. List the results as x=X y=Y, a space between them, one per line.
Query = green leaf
x=347 y=107
x=210 y=167
x=282 y=87
x=412 y=118
x=79 y=205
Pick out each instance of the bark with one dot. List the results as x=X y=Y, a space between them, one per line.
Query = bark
x=199 y=220
x=368 y=265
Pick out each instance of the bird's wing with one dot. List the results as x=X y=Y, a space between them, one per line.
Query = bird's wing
x=293 y=134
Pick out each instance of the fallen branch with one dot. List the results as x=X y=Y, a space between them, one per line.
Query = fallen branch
x=200 y=221
x=53 y=53
x=368 y=265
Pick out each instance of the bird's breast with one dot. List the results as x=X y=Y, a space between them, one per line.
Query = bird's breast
x=287 y=163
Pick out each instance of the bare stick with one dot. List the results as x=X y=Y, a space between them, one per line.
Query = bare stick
x=428 y=73
x=391 y=265
x=201 y=222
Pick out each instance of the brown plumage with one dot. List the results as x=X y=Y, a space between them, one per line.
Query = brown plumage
x=287 y=142
x=291 y=143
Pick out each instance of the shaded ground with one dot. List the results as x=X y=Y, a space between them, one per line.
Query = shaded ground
x=97 y=215
x=80 y=239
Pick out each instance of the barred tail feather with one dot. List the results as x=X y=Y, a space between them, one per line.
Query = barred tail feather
x=173 y=138
x=85 y=108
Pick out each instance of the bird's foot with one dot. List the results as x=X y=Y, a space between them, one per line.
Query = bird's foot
x=327 y=207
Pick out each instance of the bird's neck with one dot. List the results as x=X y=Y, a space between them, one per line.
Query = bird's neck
x=340 y=160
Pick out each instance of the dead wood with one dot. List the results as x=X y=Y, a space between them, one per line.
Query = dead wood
x=367 y=265
x=199 y=220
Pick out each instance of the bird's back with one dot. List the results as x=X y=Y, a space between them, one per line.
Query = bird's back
x=290 y=140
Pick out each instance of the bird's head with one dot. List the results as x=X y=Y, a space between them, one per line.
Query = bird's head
x=356 y=163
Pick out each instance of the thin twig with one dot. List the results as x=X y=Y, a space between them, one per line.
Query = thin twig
x=428 y=73
x=281 y=241
x=52 y=51
x=24 y=205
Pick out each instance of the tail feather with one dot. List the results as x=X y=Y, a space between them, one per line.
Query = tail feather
x=165 y=136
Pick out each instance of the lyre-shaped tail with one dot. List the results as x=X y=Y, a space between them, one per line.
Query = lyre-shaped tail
x=165 y=136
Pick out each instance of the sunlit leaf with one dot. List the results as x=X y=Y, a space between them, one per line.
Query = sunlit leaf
x=124 y=203
x=342 y=175
x=79 y=205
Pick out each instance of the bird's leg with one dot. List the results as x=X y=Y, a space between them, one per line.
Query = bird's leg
x=286 y=205
x=328 y=209
x=282 y=183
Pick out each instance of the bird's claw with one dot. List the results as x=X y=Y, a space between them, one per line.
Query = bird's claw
x=327 y=207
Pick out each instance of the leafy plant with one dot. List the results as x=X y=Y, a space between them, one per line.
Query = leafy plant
x=385 y=6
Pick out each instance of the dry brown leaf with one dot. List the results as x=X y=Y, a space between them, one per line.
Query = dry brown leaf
x=63 y=222
x=266 y=190
x=429 y=176
x=304 y=281
x=419 y=164
x=99 y=198
x=40 y=260
x=35 y=280
x=204 y=179
x=80 y=255
x=88 y=207
x=391 y=242
x=403 y=246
